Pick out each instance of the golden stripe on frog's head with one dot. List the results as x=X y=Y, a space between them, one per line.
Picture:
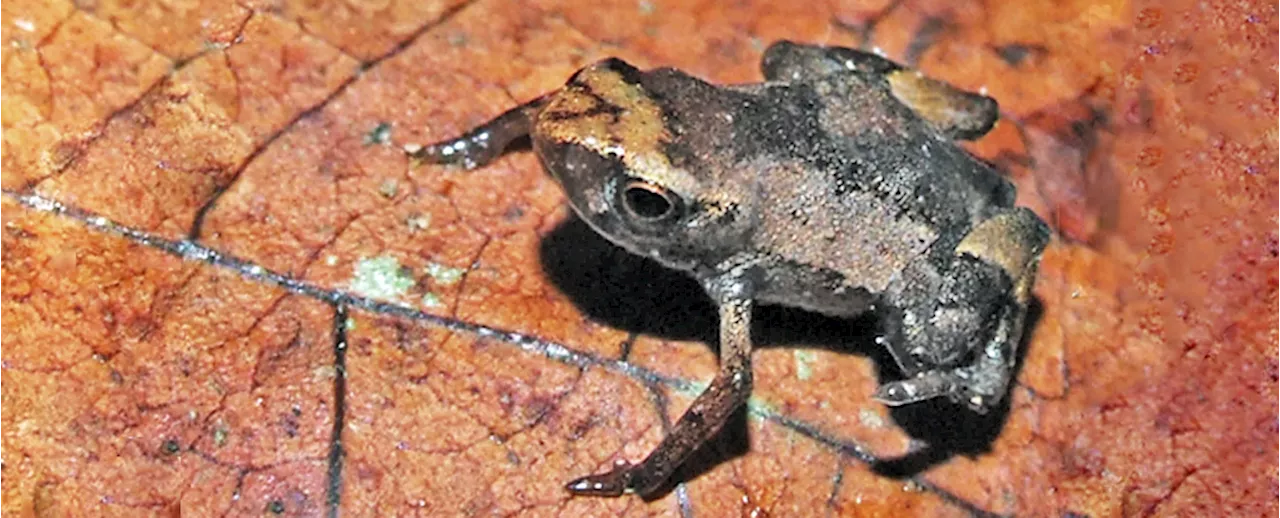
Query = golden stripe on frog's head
x=604 y=108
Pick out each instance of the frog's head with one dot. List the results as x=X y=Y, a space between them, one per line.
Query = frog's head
x=608 y=143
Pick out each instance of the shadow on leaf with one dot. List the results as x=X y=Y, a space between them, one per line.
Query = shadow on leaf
x=636 y=294
x=948 y=429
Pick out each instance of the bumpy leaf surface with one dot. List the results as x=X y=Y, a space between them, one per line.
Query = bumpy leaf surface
x=227 y=292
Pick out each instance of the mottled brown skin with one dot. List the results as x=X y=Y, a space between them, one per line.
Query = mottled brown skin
x=833 y=186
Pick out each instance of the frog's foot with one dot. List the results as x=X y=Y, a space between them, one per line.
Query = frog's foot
x=610 y=483
x=962 y=386
x=955 y=328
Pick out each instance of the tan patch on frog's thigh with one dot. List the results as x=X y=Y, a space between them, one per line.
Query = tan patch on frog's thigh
x=1011 y=240
x=951 y=110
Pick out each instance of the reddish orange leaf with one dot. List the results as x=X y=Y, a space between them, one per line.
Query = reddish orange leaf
x=348 y=331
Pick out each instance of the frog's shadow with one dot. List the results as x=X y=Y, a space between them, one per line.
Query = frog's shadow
x=636 y=294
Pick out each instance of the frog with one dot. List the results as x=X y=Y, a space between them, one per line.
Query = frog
x=836 y=185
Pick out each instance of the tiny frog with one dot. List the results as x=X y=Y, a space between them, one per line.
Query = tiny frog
x=834 y=186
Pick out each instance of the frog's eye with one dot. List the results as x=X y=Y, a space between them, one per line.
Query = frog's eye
x=649 y=203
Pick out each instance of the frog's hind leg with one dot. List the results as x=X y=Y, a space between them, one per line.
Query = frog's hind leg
x=954 y=329
x=482 y=144
x=954 y=112
x=787 y=61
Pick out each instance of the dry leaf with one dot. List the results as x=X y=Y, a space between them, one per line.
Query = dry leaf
x=226 y=291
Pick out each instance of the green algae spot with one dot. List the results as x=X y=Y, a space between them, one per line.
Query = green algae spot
x=381 y=277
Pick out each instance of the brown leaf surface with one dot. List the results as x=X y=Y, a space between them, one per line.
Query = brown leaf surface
x=143 y=374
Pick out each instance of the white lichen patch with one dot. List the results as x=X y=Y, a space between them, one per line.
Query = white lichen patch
x=380 y=135
x=759 y=408
x=870 y=419
x=389 y=187
x=804 y=363
x=693 y=389
x=418 y=222
x=381 y=277
x=445 y=275
x=220 y=433
x=431 y=300
x=324 y=373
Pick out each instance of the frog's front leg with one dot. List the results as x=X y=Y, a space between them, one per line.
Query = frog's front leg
x=481 y=144
x=954 y=328
x=727 y=392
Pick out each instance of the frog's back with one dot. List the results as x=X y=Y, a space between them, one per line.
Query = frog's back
x=898 y=157
x=854 y=185
x=876 y=186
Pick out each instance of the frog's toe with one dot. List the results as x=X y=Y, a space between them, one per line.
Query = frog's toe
x=957 y=385
x=927 y=385
x=610 y=483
